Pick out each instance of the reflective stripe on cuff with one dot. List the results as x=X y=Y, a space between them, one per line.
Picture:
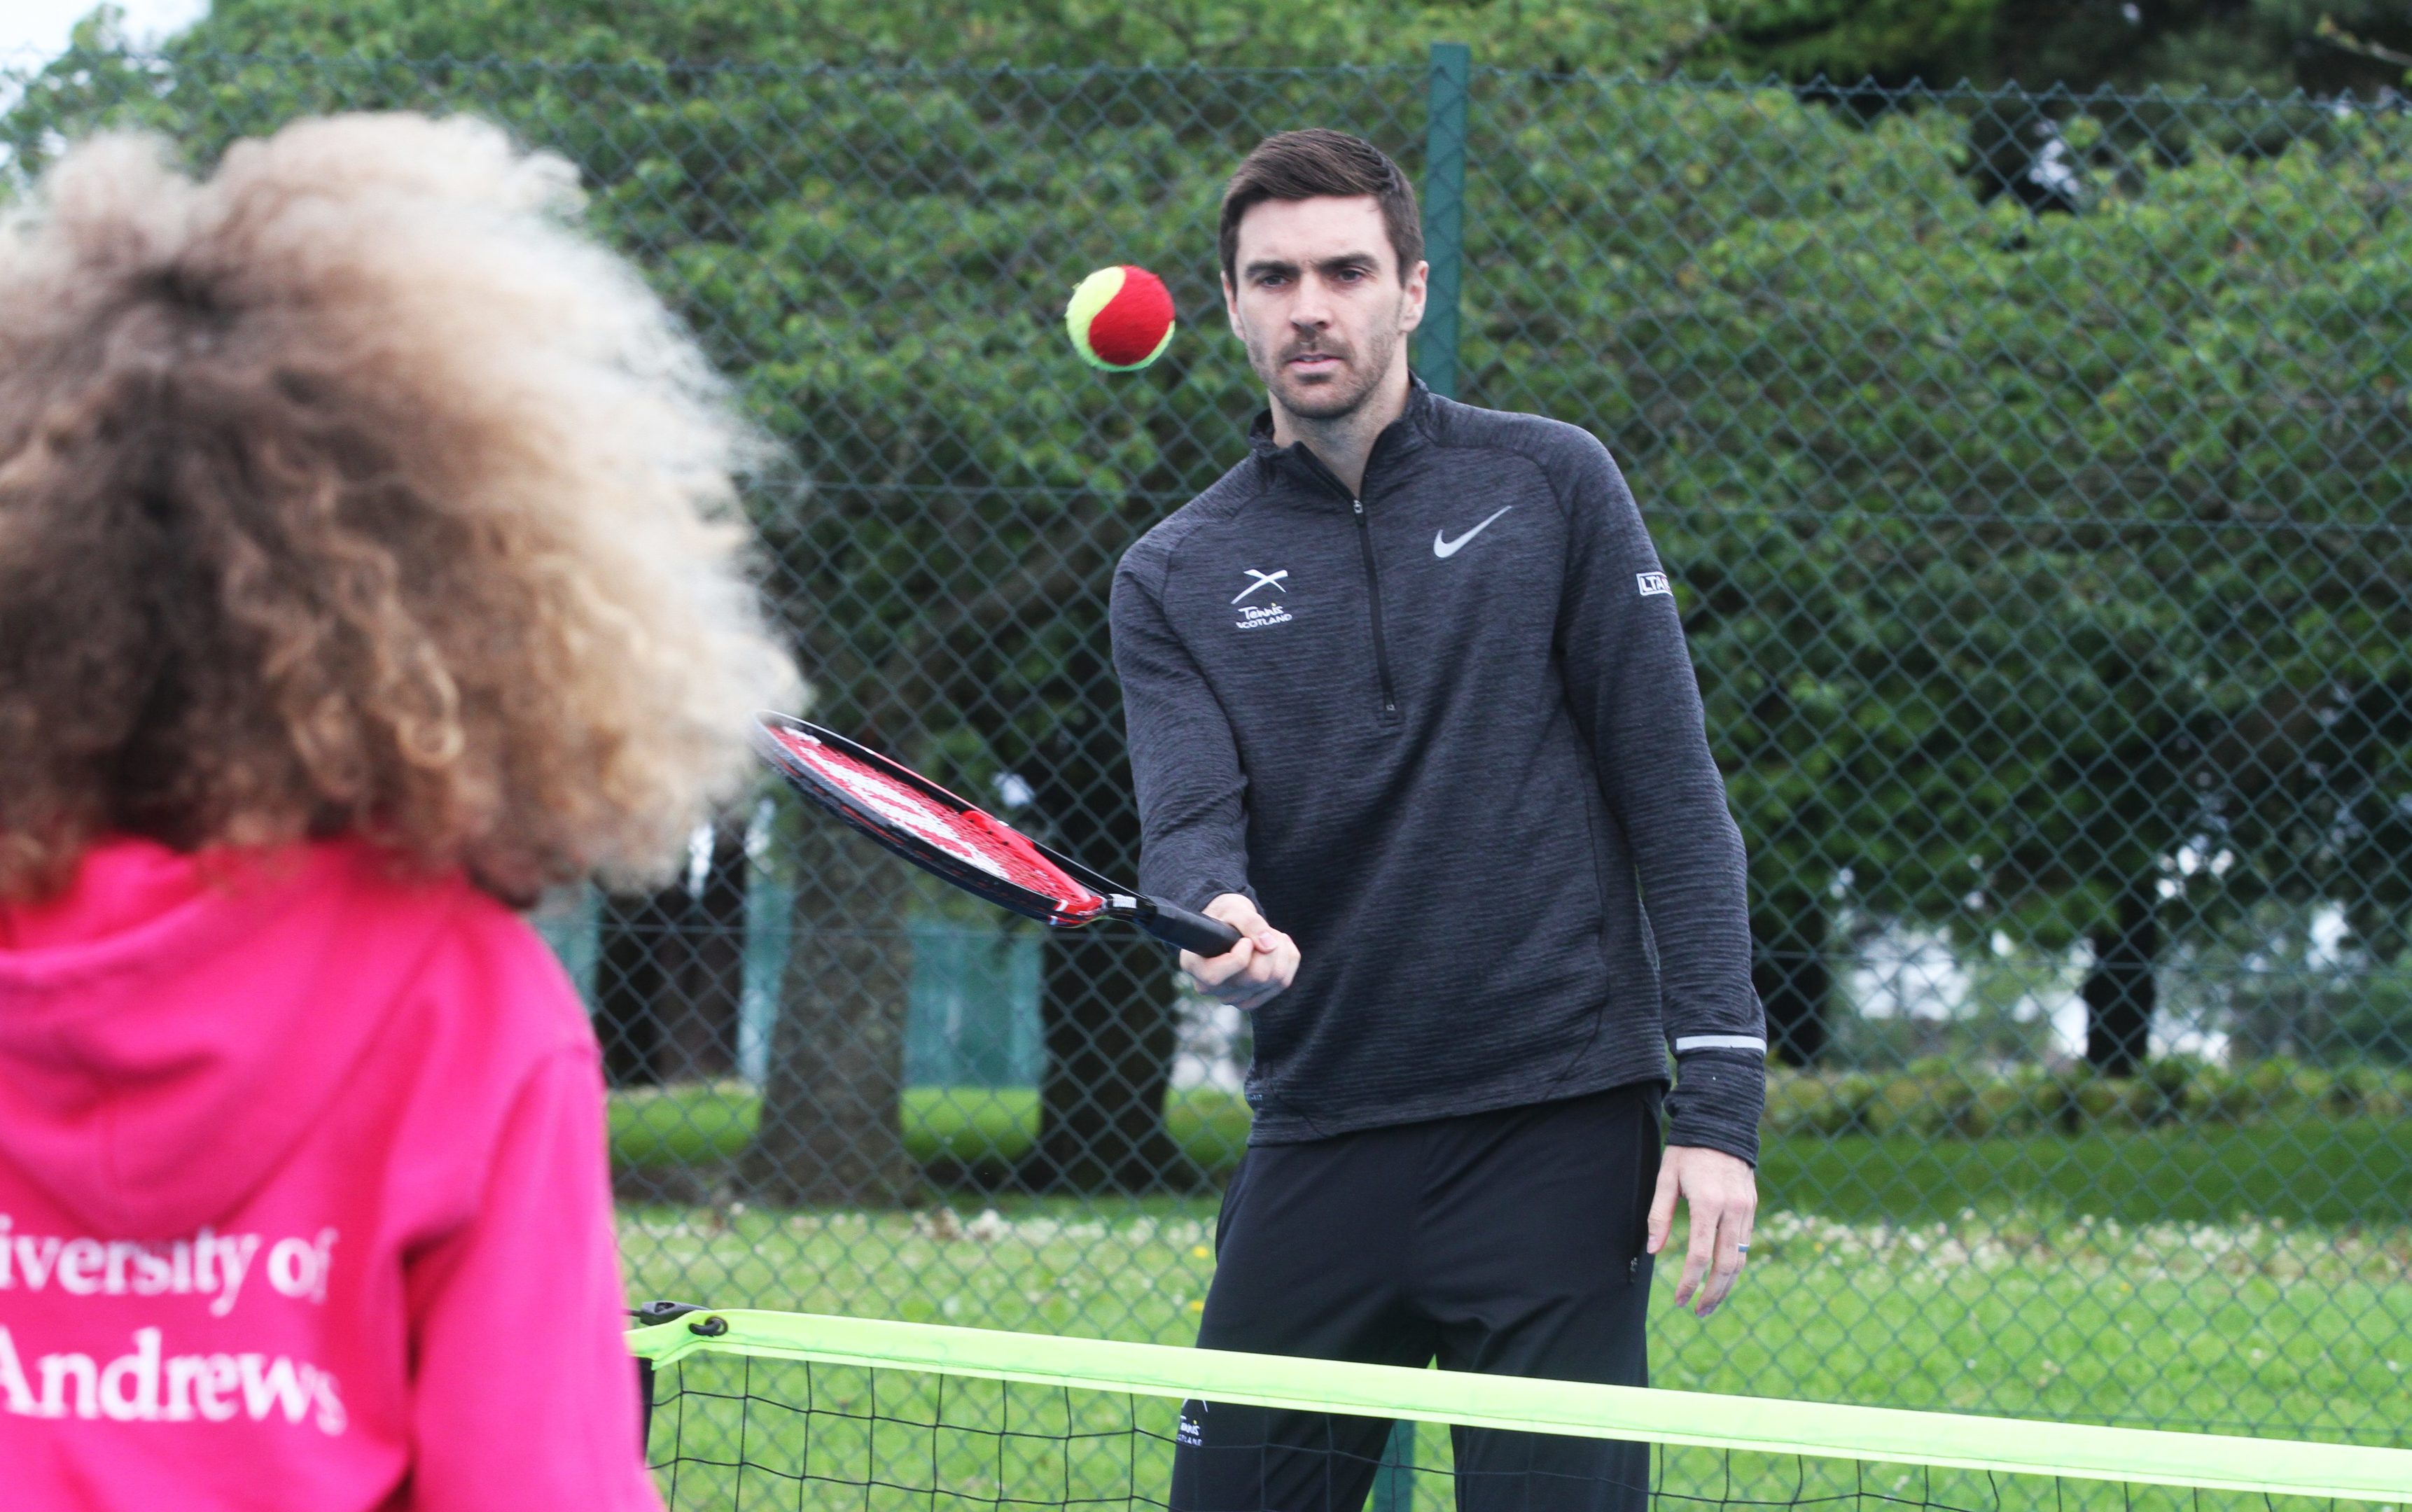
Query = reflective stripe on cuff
x=1721 y=1042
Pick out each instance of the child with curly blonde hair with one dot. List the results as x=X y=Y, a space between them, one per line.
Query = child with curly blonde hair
x=369 y=563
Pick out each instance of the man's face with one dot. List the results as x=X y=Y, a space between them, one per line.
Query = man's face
x=1318 y=302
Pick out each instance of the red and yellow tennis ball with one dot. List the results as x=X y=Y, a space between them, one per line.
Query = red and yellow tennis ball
x=1121 y=319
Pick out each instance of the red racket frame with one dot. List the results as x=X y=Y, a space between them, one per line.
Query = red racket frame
x=1091 y=896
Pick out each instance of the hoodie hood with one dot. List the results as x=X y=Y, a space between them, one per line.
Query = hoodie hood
x=172 y=1024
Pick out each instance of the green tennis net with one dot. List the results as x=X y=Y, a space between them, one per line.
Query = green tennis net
x=760 y=1410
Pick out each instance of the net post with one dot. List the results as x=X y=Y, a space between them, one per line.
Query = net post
x=1444 y=213
x=647 y=1316
x=644 y=1409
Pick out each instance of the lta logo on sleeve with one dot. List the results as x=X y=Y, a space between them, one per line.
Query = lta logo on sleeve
x=1654 y=583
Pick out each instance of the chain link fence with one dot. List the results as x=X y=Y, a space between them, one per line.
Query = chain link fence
x=2032 y=470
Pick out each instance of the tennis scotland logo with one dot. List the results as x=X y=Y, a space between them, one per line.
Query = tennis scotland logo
x=1266 y=611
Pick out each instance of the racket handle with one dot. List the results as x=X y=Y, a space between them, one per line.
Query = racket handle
x=1190 y=932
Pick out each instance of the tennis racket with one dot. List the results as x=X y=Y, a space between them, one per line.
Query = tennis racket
x=946 y=837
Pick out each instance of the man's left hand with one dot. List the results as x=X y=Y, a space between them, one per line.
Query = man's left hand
x=1723 y=1193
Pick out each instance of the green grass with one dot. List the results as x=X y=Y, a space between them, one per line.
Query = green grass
x=694 y=1123
x=689 y=1125
x=2307 y=1168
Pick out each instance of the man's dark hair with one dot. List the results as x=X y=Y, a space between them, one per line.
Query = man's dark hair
x=1311 y=165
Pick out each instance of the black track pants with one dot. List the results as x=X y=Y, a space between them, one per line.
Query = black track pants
x=1507 y=1242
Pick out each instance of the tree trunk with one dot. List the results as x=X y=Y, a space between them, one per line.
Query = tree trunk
x=2121 y=992
x=1109 y=1036
x=635 y=971
x=1791 y=971
x=1104 y=996
x=832 y=1129
x=698 y=1010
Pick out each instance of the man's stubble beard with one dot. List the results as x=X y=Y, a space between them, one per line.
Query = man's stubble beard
x=1330 y=401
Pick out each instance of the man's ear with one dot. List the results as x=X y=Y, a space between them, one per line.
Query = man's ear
x=1411 y=306
x=1231 y=307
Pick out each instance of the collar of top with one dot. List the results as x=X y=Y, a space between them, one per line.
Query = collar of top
x=1398 y=439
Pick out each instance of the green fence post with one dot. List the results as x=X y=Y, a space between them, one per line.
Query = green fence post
x=1435 y=358
x=1394 y=1482
x=1444 y=197
x=1444 y=204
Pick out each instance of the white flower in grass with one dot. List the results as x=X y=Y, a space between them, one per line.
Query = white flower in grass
x=988 y=1227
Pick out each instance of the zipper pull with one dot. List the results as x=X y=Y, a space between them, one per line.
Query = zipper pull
x=1358 y=505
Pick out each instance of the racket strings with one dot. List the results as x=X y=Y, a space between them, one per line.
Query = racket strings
x=962 y=832
x=1076 y=904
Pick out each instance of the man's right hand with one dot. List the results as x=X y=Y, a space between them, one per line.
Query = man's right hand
x=1253 y=972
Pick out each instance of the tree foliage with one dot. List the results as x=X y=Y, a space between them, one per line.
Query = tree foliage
x=2225 y=47
x=1560 y=35
x=2032 y=558
x=2228 y=47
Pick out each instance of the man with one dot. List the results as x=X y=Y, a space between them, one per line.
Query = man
x=1410 y=708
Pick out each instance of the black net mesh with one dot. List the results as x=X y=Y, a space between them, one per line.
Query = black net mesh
x=737 y=1433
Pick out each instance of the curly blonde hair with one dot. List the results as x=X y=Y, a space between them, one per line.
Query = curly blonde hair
x=351 y=489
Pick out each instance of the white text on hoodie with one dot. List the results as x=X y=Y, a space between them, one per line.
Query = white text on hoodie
x=208 y=1263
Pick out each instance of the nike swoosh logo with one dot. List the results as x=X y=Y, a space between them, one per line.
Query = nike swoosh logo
x=1444 y=547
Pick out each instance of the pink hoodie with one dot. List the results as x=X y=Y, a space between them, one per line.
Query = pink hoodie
x=302 y=1198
